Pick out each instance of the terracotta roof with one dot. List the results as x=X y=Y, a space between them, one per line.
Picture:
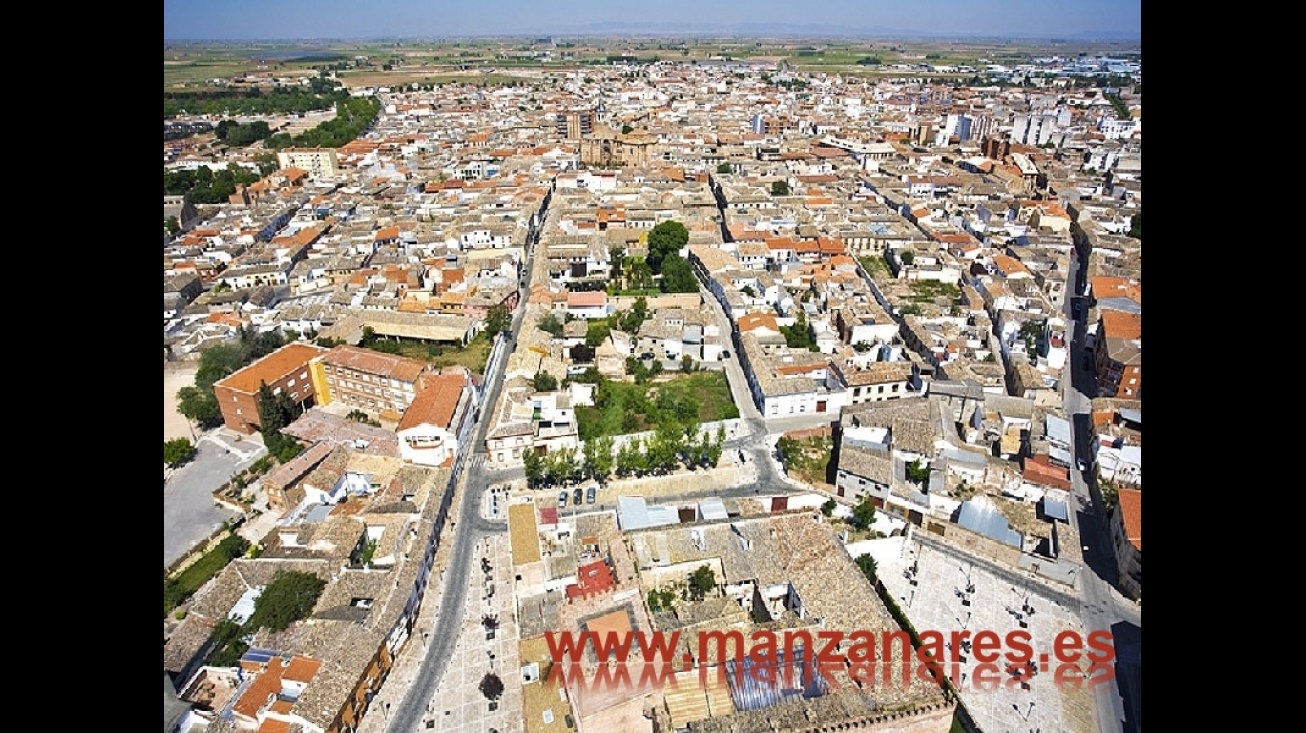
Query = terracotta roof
x=1120 y=325
x=1010 y=266
x=1039 y=470
x=754 y=321
x=436 y=404
x=587 y=300
x=1104 y=286
x=1131 y=510
x=265 y=686
x=301 y=669
x=272 y=367
x=375 y=362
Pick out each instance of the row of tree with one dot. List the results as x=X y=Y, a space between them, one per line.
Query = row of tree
x=321 y=93
x=204 y=186
x=660 y=453
x=237 y=135
x=353 y=116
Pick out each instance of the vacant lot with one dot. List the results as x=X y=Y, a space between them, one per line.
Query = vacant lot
x=174 y=425
x=633 y=408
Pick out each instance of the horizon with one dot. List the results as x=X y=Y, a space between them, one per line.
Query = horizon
x=431 y=20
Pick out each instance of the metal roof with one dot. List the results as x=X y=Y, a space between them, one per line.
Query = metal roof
x=634 y=513
x=713 y=509
x=981 y=515
x=1056 y=509
x=1058 y=429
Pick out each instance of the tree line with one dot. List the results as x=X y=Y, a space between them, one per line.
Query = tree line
x=353 y=116
x=669 y=447
x=205 y=186
x=320 y=94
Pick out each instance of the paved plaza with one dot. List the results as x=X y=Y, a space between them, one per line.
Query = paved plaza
x=458 y=704
x=995 y=695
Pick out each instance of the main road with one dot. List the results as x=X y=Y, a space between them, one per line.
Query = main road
x=467 y=528
x=1119 y=704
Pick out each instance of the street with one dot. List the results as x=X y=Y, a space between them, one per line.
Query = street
x=1119 y=704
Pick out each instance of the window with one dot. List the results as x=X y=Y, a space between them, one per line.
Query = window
x=880 y=389
x=895 y=387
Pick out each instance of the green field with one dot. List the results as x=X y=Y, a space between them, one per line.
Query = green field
x=624 y=408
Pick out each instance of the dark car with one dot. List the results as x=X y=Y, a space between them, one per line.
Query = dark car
x=577 y=497
x=589 y=495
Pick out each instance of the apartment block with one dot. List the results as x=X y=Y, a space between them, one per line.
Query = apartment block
x=286 y=369
x=376 y=383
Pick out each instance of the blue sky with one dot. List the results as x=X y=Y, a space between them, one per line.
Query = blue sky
x=309 y=19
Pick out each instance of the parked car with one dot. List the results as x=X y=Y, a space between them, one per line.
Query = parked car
x=562 y=499
x=577 y=496
x=589 y=495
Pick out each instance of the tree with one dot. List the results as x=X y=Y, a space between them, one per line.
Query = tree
x=678 y=275
x=917 y=472
x=828 y=507
x=596 y=332
x=288 y=598
x=549 y=323
x=599 y=458
x=702 y=582
x=663 y=239
x=491 y=686
x=780 y=188
x=748 y=290
x=686 y=363
x=724 y=168
x=171 y=226
x=582 y=354
x=627 y=129
x=544 y=382
x=199 y=405
x=868 y=567
x=177 y=451
x=534 y=465
x=617 y=256
x=863 y=514
x=497 y=320
x=907 y=257
x=1136 y=225
x=798 y=336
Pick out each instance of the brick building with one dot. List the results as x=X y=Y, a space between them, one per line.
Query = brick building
x=286 y=369
x=1119 y=355
x=376 y=383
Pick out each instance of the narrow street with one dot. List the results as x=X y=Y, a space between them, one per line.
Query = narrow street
x=1103 y=607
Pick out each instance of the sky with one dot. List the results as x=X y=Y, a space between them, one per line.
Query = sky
x=362 y=19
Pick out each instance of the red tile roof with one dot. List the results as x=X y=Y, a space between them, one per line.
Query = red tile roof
x=1118 y=325
x=272 y=367
x=436 y=404
x=587 y=300
x=1039 y=470
x=594 y=578
x=1131 y=510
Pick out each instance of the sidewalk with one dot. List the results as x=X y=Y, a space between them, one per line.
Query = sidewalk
x=409 y=662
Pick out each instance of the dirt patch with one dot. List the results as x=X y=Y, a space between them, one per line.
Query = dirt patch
x=174 y=424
